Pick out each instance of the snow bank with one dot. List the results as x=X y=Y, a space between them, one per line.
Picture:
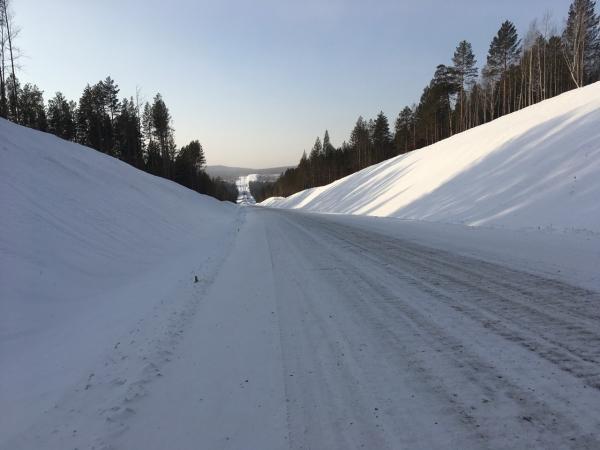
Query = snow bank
x=272 y=201
x=538 y=167
x=87 y=244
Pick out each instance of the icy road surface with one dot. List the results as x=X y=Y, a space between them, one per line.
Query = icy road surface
x=318 y=333
x=243 y=186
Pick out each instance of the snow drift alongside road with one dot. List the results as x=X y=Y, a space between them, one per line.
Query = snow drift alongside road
x=88 y=246
x=538 y=167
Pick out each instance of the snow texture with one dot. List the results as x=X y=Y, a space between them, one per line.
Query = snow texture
x=535 y=168
x=92 y=252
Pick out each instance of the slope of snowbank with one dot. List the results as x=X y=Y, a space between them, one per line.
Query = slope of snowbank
x=272 y=201
x=538 y=167
x=88 y=244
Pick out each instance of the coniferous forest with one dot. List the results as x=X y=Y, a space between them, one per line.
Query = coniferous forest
x=140 y=134
x=519 y=71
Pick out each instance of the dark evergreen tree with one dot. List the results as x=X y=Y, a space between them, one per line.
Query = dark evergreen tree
x=128 y=134
x=403 y=131
x=110 y=97
x=502 y=56
x=91 y=120
x=382 y=138
x=329 y=159
x=315 y=162
x=316 y=150
x=189 y=164
x=32 y=111
x=61 y=117
x=581 y=42
x=360 y=143
x=154 y=163
x=108 y=93
x=3 y=96
x=303 y=181
x=163 y=132
x=13 y=88
x=465 y=72
x=8 y=32
x=328 y=148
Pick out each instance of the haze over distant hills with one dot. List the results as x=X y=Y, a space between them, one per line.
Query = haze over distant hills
x=232 y=173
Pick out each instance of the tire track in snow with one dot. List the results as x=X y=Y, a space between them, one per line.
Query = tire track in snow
x=101 y=406
x=520 y=307
x=430 y=308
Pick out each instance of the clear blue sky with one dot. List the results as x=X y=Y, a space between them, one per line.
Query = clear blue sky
x=256 y=81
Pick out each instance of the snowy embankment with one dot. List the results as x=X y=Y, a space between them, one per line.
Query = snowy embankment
x=535 y=168
x=92 y=253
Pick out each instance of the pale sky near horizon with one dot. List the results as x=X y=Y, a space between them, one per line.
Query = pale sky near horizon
x=256 y=81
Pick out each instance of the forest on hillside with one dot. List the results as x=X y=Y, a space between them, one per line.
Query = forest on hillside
x=519 y=71
x=139 y=133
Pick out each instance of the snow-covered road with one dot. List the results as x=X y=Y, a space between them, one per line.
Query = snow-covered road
x=323 y=332
x=243 y=186
x=397 y=345
x=391 y=344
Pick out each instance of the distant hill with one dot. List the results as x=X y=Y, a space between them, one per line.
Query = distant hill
x=232 y=173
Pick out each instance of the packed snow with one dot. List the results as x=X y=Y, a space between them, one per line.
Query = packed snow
x=535 y=168
x=328 y=331
x=92 y=252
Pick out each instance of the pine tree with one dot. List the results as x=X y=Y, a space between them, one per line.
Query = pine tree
x=13 y=88
x=190 y=161
x=93 y=124
x=502 y=56
x=382 y=138
x=328 y=158
x=443 y=89
x=327 y=147
x=581 y=42
x=465 y=72
x=3 y=97
x=61 y=117
x=110 y=97
x=32 y=112
x=303 y=169
x=316 y=150
x=403 y=131
x=154 y=163
x=360 y=143
x=163 y=132
x=147 y=132
x=128 y=134
x=8 y=32
x=83 y=117
x=315 y=162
